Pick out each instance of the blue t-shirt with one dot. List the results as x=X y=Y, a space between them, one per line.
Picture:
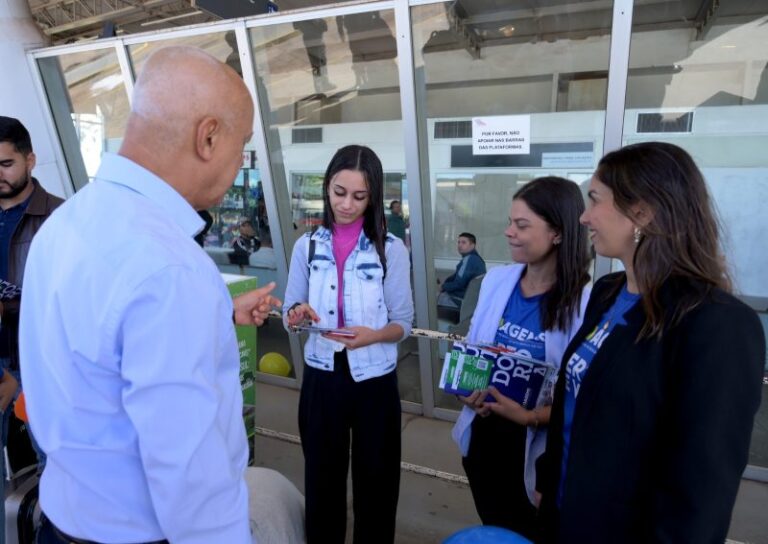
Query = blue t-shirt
x=579 y=363
x=520 y=325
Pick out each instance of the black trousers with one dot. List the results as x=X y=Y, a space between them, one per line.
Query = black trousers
x=335 y=411
x=495 y=466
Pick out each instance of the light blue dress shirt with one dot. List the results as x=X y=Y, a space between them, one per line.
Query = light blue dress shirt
x=131 y=368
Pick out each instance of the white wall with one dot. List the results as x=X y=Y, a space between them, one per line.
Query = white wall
x=19 y=96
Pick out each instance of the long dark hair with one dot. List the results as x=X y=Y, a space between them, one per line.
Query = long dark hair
x=361 y=159
x=681 y=241
x=559 y=202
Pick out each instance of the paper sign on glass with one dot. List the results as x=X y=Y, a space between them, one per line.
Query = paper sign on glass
x=501 y=135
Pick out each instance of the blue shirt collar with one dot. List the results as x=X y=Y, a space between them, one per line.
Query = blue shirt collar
x=123 y=171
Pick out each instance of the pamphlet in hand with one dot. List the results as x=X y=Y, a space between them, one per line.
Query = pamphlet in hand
x=465 y=369
x=522 y=380
x=471 y=367
x=325 y=330
x=9 y=290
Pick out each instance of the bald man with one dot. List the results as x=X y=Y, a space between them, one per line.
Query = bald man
x=129 y=355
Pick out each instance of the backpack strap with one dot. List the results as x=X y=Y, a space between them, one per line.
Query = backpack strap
x=311 y=252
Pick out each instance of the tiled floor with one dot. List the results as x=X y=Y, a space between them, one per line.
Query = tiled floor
x=432 y=508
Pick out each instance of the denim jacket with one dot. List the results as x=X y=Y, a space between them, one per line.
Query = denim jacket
x=370 y=299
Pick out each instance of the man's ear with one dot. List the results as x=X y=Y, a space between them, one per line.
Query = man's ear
x=31 y=161
x=207 y=136
x=642 y=214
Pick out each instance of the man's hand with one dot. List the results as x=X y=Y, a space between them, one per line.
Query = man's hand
x=252 y=308
x=509 y=409
x=8 y=387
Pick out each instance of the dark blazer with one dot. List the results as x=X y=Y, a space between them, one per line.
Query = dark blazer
x=661 y=428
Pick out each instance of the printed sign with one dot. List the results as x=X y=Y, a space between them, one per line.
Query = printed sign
x=249 y=160
x=502 y=135
x=568 y=159
x=246 y=343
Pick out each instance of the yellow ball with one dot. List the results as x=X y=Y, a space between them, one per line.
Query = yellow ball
x=274 y=363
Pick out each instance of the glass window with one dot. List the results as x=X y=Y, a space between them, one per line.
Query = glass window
x=702 y=83
x=220 y=45
x=246 y=198
x=325 y=83
x=478 y=64
x=90 y=107
x=239 y=238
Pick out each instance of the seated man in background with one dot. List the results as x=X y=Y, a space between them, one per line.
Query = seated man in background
x=245 y=244
x=471 y=265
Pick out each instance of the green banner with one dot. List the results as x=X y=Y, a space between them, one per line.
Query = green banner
x=246 y=342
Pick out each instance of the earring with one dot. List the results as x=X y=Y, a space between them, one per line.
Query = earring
x=556 y=241
x=638 y=235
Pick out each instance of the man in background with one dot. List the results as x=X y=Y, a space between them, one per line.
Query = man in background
x=245 y=244
x=135 y=392
x=24 y=206
x=471 y=265
x=396 y=223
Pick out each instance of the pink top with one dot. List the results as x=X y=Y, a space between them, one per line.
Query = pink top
x=344 y=239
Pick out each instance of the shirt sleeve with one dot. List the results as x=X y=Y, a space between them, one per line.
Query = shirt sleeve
x=175 y=348
x=398 y=296
x=297 y=289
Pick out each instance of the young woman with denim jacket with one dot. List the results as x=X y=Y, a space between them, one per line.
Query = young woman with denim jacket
x=351 y=274
x=533 y=307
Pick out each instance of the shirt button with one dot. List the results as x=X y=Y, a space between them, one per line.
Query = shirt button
x=330 y=312
x=333 y=287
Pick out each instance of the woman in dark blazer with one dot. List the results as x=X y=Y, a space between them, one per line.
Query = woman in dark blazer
x=653 y=410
